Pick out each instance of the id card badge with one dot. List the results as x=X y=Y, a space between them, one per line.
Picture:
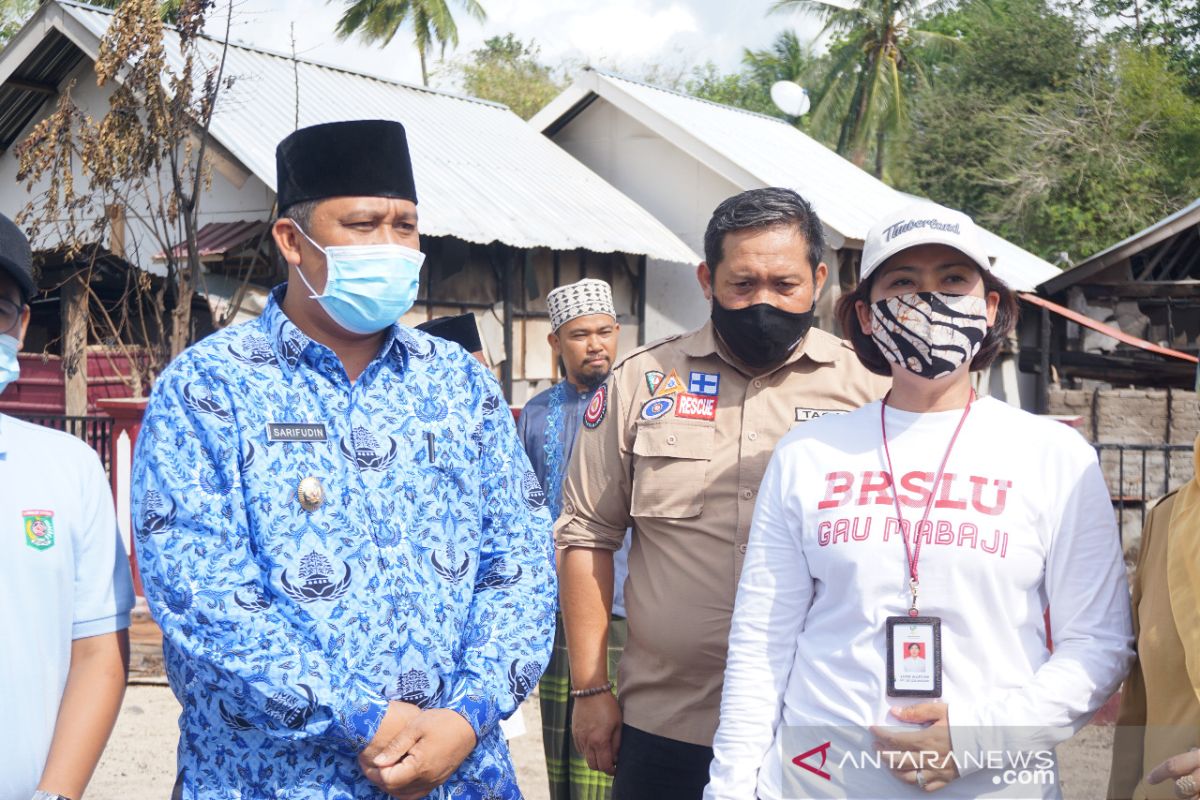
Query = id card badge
x=914 y=657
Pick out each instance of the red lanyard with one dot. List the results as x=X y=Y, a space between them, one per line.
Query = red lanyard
x=913 y=554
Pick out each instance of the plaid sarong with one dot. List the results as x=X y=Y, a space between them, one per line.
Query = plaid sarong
x=570 y=778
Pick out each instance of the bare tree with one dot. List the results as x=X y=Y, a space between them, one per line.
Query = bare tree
x=145 y=158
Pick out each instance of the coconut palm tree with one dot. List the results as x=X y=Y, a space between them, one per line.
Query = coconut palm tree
x=431 y=20
x=860 y=87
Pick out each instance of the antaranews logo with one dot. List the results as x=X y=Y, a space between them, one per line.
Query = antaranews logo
x=819 y=770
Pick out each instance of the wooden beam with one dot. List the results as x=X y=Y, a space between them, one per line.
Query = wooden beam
x=48 y=89
x=1135 y=290
x=1163 y=248
x=74 y=331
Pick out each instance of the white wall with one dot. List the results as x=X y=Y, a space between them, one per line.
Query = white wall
x=676 y=188
x=668 y=183
x=224 y=201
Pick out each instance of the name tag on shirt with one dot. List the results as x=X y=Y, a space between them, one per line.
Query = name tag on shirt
x=914 y=656
x=806 y=414
x=296 y=432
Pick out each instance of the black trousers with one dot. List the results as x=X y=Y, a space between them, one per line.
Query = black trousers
x=653 y=767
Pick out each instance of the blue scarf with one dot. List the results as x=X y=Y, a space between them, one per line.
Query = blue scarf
x=553 y=447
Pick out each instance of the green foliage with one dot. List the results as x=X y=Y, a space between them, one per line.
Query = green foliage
x=738 y=89
x=507 y=70
x=1173 y=26
x=13 y=14
x=378 y=21
x=1065 y=144
x=861 y=90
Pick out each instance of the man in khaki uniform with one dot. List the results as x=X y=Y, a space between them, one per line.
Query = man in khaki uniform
x=689 y=426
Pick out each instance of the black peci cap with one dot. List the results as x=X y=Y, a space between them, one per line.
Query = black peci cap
x=16 y=259
x=461 y=330
x=358 y=158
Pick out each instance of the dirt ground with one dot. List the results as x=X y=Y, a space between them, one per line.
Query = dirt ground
x=140 y=760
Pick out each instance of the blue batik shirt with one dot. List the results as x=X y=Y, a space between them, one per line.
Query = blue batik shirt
x=423 y=574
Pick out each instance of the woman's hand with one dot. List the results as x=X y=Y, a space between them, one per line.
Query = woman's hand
x=920 y=758
x=1185 y=769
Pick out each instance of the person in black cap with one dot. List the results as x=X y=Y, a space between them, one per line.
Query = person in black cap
x=338 y=530
x=462 y=330
x=65 y=588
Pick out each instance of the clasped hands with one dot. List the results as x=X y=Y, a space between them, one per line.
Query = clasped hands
x=919 y=757
x=416 y=750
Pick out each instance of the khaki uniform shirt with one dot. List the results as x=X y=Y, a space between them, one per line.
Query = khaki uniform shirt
x=1160 y=701
x=683 y=468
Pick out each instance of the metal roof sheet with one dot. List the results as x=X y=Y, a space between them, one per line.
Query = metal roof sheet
x=745 y=146
x=483 y=174
x=1164 y=229
x=218 y=238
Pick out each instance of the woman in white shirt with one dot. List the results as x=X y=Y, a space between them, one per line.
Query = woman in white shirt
x=1011 y=516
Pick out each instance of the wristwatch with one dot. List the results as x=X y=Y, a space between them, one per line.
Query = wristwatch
x=41 y=794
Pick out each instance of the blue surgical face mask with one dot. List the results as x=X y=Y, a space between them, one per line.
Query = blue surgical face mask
x=367 y=287
x=10 y=368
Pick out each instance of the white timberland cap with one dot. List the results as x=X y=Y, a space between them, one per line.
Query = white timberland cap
x=917 y=224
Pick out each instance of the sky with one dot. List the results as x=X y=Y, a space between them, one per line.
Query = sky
x=622 y=35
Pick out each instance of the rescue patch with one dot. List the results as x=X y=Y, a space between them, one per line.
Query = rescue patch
x=669 y=385
x=696 y=406
x=658 y=407
x=653 y=379
x=806 y=414
x=39 y=528
x=594 y=414
x=705 y=383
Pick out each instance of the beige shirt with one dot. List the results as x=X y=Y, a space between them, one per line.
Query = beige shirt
x=1160 y=701
x=683 y=468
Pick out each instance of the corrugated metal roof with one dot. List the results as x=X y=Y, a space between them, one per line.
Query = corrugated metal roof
x=46 y=67
x=482 y=173
x=1162 y=230
x=739 y=144
x=218 y=238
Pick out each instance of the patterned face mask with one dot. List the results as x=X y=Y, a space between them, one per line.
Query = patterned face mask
x=930 y=334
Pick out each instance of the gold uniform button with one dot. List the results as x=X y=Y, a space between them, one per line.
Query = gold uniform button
x=310 y=493
x=747 y=494
x=742 y=549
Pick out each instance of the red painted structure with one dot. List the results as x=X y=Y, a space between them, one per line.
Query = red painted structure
x=41 y=389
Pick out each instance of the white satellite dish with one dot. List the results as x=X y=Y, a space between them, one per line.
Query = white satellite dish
x=790 y=98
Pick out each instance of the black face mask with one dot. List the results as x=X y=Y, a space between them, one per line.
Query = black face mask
x=761 y=334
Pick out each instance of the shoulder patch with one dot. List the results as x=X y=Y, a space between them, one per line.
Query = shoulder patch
x=657 y=407
x=669 y=385
x=594 y=414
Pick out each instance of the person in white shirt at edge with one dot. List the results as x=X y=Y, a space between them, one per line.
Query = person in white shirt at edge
x=1020 y=520
x=65 y=587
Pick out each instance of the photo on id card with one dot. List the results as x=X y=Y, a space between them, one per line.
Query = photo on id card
x=914 y=657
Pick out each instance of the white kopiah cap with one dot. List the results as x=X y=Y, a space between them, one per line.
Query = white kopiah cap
x=917 y=224
x=579 y=299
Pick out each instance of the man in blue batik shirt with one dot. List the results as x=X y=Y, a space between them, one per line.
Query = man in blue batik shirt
x=584 y=338
x=338 y=530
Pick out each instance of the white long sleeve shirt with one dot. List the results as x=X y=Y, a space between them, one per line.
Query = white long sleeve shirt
x=1021 y=521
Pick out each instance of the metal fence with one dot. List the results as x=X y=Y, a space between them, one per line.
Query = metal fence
x=1137 y=474
x=95 y=430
